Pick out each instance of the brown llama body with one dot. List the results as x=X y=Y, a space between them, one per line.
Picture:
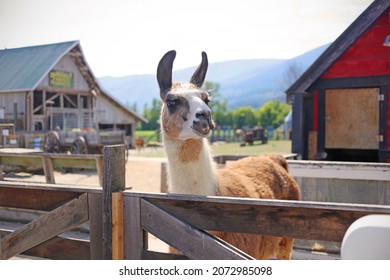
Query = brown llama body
x=186 y=123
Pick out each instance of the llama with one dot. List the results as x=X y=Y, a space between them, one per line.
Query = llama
x=186 y=123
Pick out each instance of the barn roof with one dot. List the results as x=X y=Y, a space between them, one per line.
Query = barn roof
x=22 y=69
x=339 y=46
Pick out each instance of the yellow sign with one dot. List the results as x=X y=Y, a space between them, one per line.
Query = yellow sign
x=61 y=79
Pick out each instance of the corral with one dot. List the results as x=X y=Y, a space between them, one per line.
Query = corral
x=115 y=222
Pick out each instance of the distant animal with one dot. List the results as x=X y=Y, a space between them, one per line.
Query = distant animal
x=186 y=123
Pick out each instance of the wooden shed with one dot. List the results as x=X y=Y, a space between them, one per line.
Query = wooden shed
x=51 y=86
x=341 y=103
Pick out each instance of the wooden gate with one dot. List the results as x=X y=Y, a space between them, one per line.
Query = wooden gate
x=120 y=220
x=352 y=119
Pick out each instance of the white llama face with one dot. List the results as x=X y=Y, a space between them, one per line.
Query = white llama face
x=186 y=114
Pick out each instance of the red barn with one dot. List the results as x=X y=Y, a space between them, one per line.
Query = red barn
x=341 y=104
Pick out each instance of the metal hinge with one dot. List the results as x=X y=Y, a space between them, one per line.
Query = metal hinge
x=379 y=138
x=381 y=97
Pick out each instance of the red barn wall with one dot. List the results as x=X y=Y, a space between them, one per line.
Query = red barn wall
x=367 y=56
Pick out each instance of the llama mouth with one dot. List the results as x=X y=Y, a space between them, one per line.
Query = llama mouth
x=203 y=133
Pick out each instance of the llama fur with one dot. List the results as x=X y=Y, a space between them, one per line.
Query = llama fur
x=186 y=123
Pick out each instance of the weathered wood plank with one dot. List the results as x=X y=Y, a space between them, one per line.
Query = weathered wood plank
x=134 y=241
x=70 y=162
x=298 y=219
x=114 y=167
x=50 y=187
x=48 y=169
x=95 y=211
x=21 y=160
x=194 y=243
x=59 y=248
x=34 y=199
x=99 y=168
x=151 y=255
x=59 y=160
x=340 y=170
x=113 y=181
x=45 y=227
x=117 y=226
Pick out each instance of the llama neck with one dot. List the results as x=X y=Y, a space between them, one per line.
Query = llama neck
x=191 y=169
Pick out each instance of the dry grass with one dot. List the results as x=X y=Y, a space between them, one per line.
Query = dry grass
x=222 y=148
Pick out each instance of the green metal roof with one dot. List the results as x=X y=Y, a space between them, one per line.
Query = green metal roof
x=22 y=69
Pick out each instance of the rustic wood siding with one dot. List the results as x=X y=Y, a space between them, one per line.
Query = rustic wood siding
x=352 y=118
x=67 y=64
x=367 y=56
x=108 y=112
x=7 y=101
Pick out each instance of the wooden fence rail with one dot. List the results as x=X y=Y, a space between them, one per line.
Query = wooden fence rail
x=65 y=208
x=119 y=220
x=62 y=208
x=181 y=221
x=48 y=162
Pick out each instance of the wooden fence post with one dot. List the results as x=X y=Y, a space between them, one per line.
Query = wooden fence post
x=48 y=169
x=113 y=187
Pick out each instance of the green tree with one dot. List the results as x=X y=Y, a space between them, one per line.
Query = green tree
x=152 y=115
x=218 y=105
x=213 y=90
x=244 y=116
x=272 y=113
x=133 y=106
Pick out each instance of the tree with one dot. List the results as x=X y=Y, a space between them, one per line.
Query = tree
x=272 y=113
x=244 y=116
x=293 y=72
x=213 y=91
x=133 y=106
x=152 y=115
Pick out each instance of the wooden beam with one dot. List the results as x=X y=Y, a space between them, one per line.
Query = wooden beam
x=58 y=248
x=117 y=226
x=34 y=199
x=45 y=227
x=194 y=243
x=113 y=181
x=48 y=170
x=21 y=160
x=134 y=238
x=298 y=219
x=95 y=212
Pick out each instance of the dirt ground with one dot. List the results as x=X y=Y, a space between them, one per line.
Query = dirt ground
x=142 y=175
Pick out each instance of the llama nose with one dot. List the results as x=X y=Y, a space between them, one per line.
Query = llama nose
x=204 y=121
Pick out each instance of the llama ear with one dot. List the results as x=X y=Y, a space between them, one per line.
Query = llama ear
x=164 y=73
x=200 y=73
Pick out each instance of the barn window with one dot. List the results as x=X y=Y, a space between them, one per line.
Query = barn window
x=55 y=97
x=85 y=101
x=37 y=102
x=103 y=126
x=70 y=101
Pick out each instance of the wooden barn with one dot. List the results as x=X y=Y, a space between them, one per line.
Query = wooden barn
x=50 y=87
x=341 y=103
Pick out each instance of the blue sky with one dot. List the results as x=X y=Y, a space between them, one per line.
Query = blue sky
x=127 y=37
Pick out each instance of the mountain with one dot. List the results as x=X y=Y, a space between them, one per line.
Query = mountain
x=242 y=82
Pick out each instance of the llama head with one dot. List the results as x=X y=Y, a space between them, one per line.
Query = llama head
x=185 y=113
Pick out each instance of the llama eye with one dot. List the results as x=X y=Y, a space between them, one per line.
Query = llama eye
x=171 y=103
x=207 y=101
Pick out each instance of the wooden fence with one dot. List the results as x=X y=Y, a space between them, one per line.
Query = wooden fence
x=120 y=220
x=48 y=162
